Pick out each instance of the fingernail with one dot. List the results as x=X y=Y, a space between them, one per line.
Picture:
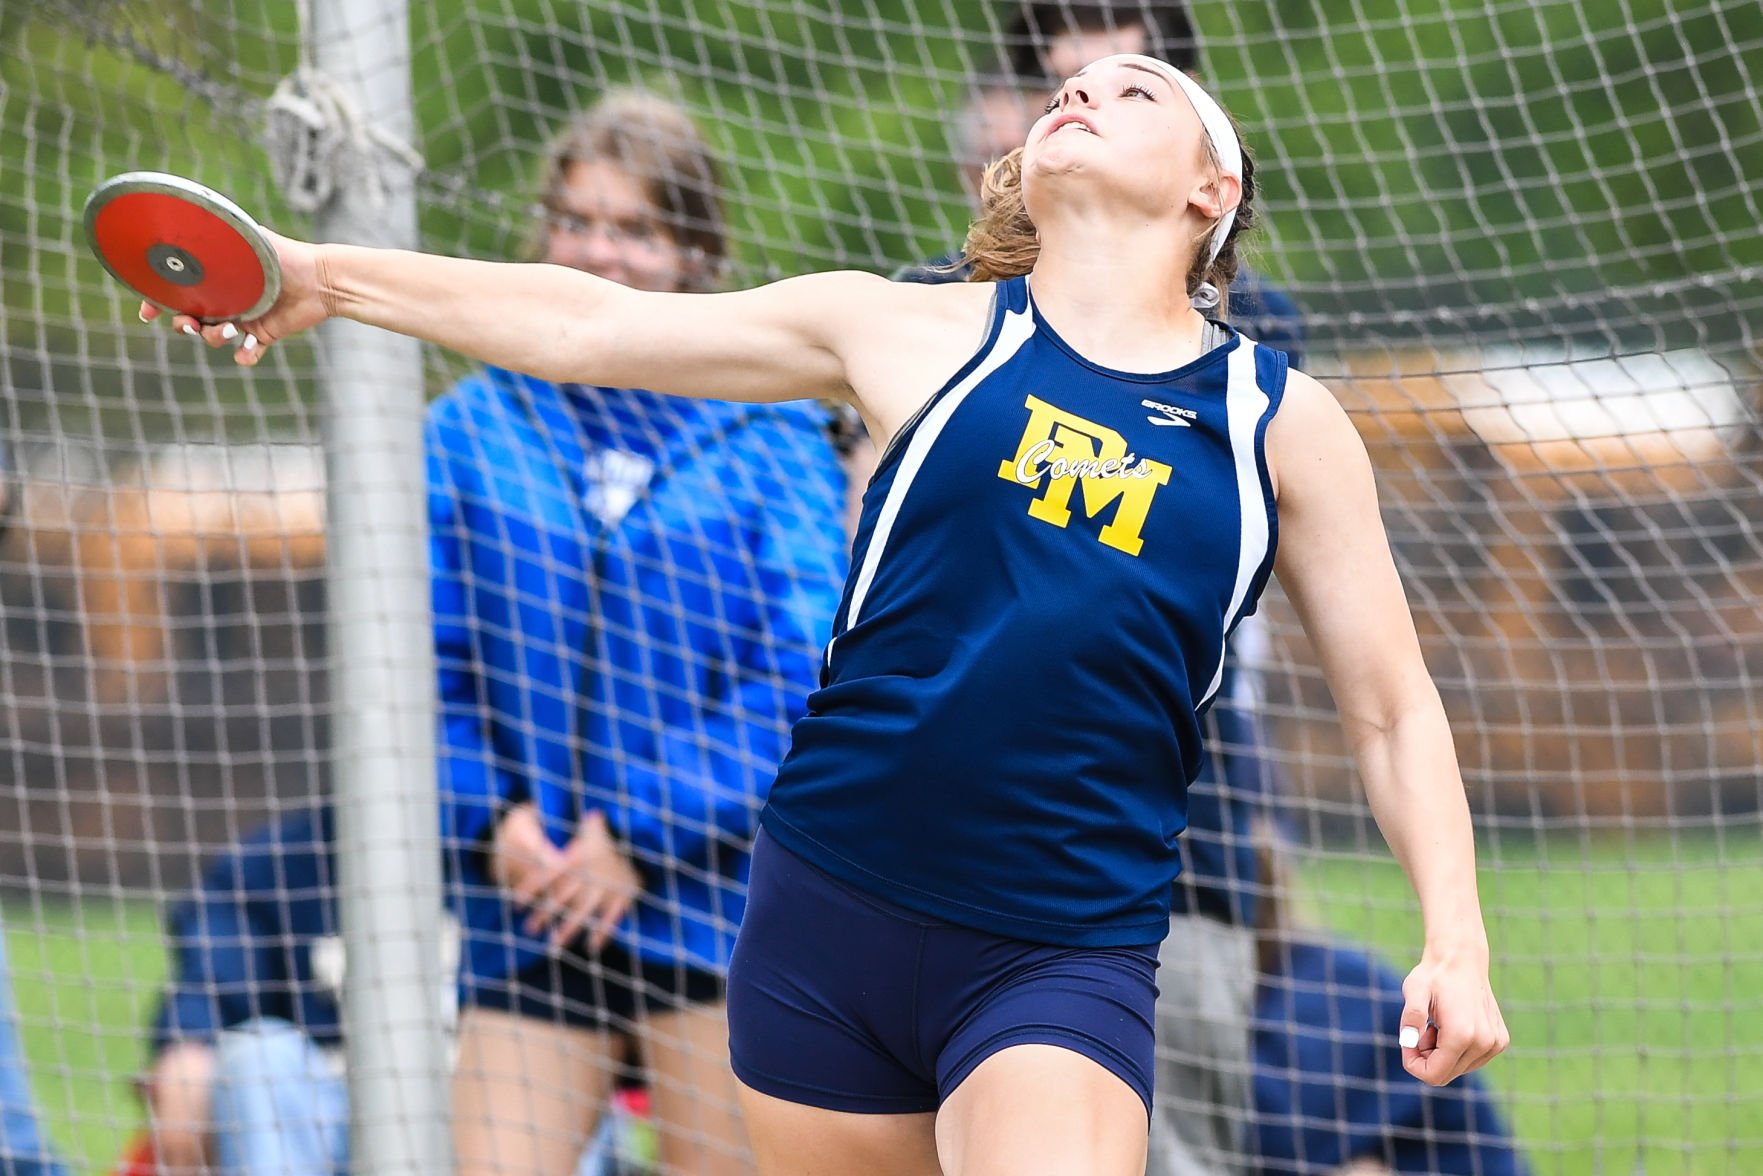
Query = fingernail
x=191 y=331
x=228 y=331
x=1409 y=1037
x=250 y=343
x=142 y=315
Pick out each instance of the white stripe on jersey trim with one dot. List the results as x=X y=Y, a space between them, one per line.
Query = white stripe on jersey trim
x=1244 y=403
x=1016 y=329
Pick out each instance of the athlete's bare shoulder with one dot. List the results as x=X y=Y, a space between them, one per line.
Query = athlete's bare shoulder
x=892 y=344
x=916 y=337
x=1310 y=430
x=910 y=303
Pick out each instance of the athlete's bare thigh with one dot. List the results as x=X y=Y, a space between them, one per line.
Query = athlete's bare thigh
x=790 y=1139
x=1042 y=1110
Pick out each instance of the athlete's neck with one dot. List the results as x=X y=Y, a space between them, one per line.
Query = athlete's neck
x=1118 y=296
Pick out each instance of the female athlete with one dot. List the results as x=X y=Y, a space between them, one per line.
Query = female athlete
x=965 y=863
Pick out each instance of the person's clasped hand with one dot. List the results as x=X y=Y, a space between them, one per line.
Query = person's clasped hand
x=589 y=884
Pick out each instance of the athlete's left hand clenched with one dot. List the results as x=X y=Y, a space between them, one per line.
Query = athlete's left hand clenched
x=1451 y=1023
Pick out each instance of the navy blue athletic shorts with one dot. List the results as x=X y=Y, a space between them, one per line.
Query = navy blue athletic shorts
x=841 y=1000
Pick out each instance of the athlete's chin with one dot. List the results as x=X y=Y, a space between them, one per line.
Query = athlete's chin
x=1057 y=169
x=1068 y=155
x=1091 y=181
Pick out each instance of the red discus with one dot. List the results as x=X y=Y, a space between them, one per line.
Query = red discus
x=183 y=247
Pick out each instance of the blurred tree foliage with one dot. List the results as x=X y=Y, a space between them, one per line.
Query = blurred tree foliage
x=1452 y=167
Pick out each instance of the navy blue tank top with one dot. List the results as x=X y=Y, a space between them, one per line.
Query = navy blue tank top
x=1051 y=556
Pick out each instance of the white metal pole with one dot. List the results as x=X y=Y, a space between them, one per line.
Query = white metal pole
x=381 y=646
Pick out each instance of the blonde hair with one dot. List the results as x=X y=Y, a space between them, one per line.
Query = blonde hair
x=1003 y=242
x=657 y=143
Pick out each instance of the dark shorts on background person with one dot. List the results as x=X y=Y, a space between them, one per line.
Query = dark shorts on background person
x=608 y=990
x=847 y=1002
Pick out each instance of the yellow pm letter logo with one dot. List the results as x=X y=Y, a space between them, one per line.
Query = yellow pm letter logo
x=1068 y=451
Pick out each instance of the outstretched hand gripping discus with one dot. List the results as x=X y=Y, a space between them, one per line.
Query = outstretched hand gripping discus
x=183 y=247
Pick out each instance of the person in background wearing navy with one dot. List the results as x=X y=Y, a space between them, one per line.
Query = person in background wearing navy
x=1330 y=1091
x=245 y=1055
x=1331 y=1095
x=947 y=961
x=631 y=595
x=246 y=1070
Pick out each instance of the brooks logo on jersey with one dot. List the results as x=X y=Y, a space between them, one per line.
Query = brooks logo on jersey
x=1185 y=417
x=1068 y=451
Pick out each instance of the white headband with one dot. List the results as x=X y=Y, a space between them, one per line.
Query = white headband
x=1225 y=144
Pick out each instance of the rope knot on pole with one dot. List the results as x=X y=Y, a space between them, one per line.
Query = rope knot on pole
x=319 y=141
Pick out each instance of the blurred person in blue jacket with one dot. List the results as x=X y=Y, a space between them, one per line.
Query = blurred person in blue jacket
x=1331 y=1096
x=631 y=596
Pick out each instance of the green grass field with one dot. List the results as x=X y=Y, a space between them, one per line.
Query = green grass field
x=84 y=977
x=1631 y=974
